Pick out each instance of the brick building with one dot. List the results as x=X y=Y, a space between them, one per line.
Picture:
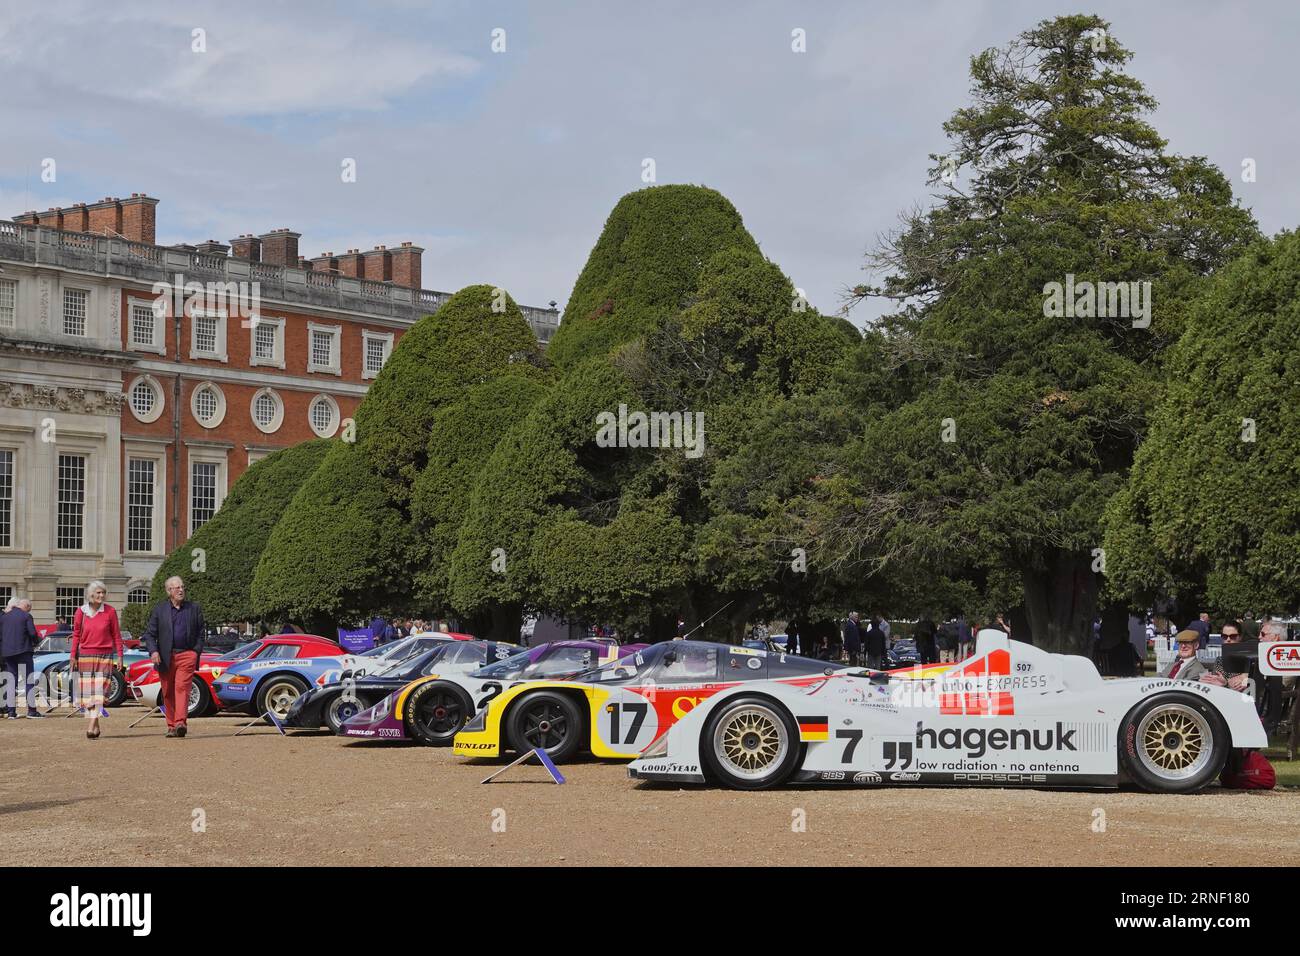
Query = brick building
x=138 y=381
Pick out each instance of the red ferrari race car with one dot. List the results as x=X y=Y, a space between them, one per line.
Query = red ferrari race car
x=145 y=685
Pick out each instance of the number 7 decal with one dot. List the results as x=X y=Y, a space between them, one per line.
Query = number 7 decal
x=853 y=737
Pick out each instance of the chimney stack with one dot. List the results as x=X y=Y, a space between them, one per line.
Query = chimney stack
x=138 y=218
x=406 y=266
x=76 y=219
x=51 y=219
x=212 y=248
x=378 y=264
x=280 y=248
x=247 y=247
x=349 y=264
x=325 y=262
x=28 y=218
x=105 y=217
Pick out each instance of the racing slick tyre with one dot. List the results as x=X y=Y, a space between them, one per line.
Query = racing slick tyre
x=1173 y=743
x=435 y=713
x=278 y=693
x=751 y=743
x=546 y=721
x=342 y=707
x=115 y=688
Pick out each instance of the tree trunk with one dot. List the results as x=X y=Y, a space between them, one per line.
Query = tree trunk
x=507 y=619
x=1061 y=603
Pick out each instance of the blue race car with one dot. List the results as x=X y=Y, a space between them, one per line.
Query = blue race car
x=272 y=685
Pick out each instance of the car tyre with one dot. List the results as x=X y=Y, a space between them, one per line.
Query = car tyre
x=1173 y=743
x=278 y=693
x=341 y=709
x=750 y=742
x=115 y=689
x=200 y=702
x=548 y=721
x=436 y=712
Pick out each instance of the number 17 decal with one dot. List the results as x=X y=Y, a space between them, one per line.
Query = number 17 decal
x=638 y=712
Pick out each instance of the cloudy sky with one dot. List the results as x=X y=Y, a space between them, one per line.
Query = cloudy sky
x=504 y=165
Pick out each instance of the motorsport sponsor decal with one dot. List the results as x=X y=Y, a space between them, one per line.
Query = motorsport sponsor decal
x=867 y=776
x=1076 y=737
x=1280 y=658
x=1165 y=683
x=901 y=777
x=755 y=663
x=814 y=728
x=745 y=651
x=353 y=732
x=465 y=745
x=670 y=766
x=829 y=775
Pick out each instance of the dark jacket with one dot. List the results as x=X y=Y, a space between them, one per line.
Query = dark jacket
x=158 y=632
x=852 y=637
x=17 y=633
x=875 y=640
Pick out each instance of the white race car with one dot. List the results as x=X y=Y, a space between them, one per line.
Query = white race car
x=1011 y=715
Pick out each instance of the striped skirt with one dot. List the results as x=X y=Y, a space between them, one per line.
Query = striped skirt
x=93 y=673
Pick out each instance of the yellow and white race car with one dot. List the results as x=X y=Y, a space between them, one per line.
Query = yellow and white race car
x=620 y=708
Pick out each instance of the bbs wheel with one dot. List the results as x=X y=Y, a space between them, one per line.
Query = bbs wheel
x=1173 y=743
x=751 y=743
x=545 y=721
x=435 y=713
x=278 y=693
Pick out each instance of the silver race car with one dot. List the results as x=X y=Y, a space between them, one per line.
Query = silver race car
x=1011 y=715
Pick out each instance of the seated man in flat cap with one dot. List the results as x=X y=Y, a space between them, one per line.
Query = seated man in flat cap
x=1186 y=666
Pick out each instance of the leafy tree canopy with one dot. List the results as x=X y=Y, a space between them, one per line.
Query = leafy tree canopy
x=1211 y=506
x=233 y=541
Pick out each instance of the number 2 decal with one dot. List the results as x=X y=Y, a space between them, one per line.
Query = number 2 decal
x=638 y=712
x=492 y=688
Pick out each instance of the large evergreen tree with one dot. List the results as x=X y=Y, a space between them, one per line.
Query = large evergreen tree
x=1211 y=511
x=1013 y=423
x=364 y=527
x=676 y=312
x=231 y=543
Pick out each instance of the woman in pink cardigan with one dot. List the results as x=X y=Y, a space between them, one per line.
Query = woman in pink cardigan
x=96 y=651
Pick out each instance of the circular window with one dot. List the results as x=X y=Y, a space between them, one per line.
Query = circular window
x=268 y=410
x=145 y=397
x=323 y=413
x=208 y=404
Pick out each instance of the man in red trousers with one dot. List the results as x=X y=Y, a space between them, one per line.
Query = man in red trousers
x=174 y=638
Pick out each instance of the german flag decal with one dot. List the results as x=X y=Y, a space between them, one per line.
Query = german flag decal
x=813 y=728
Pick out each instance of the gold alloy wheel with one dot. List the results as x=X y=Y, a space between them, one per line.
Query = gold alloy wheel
x=280 y=697
x=1174 y=741
x=751 y=740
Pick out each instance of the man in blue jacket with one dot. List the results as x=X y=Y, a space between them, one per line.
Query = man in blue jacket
x=17 y=640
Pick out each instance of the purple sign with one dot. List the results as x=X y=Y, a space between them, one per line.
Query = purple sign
x=356 y=641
